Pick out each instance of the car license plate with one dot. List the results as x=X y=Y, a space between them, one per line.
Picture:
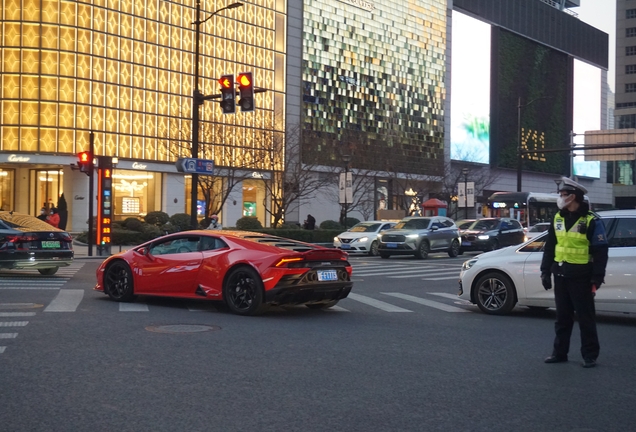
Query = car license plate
x=327 y=275
x=345 y=246
x=465 y=243
x=50 y=244
x=391 y=245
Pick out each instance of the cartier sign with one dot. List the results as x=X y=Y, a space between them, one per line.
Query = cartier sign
x=139 y=166
x=16 y=158
x=362 y=4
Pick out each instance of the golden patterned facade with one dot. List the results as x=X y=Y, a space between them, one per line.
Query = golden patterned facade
x=124 y=69
x=373 y=82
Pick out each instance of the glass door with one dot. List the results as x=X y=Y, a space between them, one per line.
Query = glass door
x=47 y=186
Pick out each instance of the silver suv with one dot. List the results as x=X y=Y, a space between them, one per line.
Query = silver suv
x=420 y=235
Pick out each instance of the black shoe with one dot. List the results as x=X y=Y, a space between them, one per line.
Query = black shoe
x=589 y=363
x=555 y=359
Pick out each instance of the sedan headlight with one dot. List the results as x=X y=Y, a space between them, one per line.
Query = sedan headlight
x=412 y=235
x=483 y=237
x=362 y=239
x=379 y=237
x=335 y=239
x=468 y=264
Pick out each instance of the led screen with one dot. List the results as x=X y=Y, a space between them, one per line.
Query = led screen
x=587 y=113
x=470 y=90
x=538 y=77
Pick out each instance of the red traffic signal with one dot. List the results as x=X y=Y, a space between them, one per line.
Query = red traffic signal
x=246 y=91
x=85 y=161
x=228 y=94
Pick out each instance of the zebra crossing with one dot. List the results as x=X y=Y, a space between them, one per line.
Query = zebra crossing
x=10 y=329
x=434 y=271
x=27 y=279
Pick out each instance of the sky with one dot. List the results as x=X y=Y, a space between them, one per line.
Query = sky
x=602 y=15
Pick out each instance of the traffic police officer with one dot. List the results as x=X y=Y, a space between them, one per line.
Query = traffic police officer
x=576 y=254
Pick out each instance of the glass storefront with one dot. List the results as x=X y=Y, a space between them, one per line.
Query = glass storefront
x=254 y=199
x=6 y=189
x=135 y=193
x=48 y=188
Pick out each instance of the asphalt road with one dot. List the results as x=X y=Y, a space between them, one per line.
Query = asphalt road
x=402 y=354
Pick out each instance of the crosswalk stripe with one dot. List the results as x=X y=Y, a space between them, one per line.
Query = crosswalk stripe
x=8 y=335
x=15 y=314
x=442 y=278
x=337 y=309
x=2 y=349
x=67 y=300
x=133 y=307
x=446 y=295
x=429 y=303
x=421 y=273
x=378 y=272
x=387 y=307
x=29 y=288
x=13 y=323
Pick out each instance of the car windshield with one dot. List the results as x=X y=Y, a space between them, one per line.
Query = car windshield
x=464 y=225
x=484 y=225
x=413 y=224
x=365 y=227
x=539 y=228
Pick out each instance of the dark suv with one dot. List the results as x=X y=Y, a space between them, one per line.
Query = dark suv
x=492 y=233
x=420 y=235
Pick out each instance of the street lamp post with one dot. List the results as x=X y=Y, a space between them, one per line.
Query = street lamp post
x=346 y=159
x=465 y=173
x=197 y=101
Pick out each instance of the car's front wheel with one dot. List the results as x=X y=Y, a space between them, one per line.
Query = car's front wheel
x=48 y=271
x=118 y=282
x=243 y=291
x=453 y=251
x=373 y=250
x=325 y=305
x=495 y=294
x=422 y=250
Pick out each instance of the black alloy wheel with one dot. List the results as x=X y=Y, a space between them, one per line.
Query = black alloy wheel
x=243 y=291
x=495 y=294
x=48 y=271
x=454 y=249
x=422 y=250
x=373 y=250
x=118 y=282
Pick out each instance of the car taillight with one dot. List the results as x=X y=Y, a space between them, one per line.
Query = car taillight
x=284 y=262
x=66 y=238
x=20 y=238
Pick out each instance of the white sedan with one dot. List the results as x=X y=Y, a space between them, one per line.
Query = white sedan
x=497 y=281
x=362 y=237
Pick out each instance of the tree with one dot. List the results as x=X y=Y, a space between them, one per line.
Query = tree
x=481 y=175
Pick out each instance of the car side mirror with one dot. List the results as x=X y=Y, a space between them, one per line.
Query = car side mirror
x=145 y=251
x=434 y=228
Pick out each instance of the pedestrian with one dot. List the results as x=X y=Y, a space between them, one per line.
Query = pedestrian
x=214 y=223
x=42 y=216
x=54 y=218
x=575 y=254
x=310 y=222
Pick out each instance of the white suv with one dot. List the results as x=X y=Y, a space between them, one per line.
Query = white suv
x=362 y=237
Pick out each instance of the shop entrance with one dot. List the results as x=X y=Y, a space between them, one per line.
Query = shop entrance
x=47 y=188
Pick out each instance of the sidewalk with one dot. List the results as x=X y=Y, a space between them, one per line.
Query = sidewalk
x=81 y=251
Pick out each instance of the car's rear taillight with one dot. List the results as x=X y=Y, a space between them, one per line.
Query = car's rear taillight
x=66 y=237
x=284 y=262
x=21 y=238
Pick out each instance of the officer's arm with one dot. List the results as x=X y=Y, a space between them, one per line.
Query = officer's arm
x=548 y=250
x=598 y=250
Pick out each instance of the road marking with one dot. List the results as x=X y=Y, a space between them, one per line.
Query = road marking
x=433 y=304
x=336 y=309
x=442 y=278
x=421 y=273
x=446 y=295
x=380 y=272
x=8 y=335
x=209 y=308
x=13 y=323
x=30 y=287
x=376 y=303
x=15 y=314
x=2 y=349
x=67 y=300
x=133 y=307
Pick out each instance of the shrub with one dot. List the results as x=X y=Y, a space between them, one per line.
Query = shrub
x=157 y=218
x=289 y=225
x=248 y=223
x=149 y=232
x=331 y=225
x=168 y=228
x=126 y=237
x=181 y=221
x=132 y=224
x=351 y=221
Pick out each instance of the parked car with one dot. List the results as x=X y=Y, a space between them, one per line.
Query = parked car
x=497 y=281
x=246 y=270
x=491 y=233
x=27 y=242
x=362 y=237
x=537 y=229
x=419 y=236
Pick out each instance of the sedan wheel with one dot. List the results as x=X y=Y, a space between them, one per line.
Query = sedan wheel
x=454 y=249
x=495 y=294
x=243 y=291
x=422 y=250
x=373 y=250
x=48 y=271
x=118 y=282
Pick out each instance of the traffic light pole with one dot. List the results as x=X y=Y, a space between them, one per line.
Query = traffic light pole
x=91 y=176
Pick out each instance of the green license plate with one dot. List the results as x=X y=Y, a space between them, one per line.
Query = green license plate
x=50 y=244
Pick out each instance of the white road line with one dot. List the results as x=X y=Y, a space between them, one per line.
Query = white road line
x=436 y=305
x=29 y=288
x=133 y=307
x=33 y=282
x=67 y=300
x=442 y=278
x=336 y=309
x=2 y=349
x=422 y=273
x=380 y=272
x=15 y=314
x=13 y=323
x=8 y=335
x=376 y=303
x=446 y=295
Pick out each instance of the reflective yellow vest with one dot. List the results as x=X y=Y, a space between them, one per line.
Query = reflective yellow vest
x=572 y=246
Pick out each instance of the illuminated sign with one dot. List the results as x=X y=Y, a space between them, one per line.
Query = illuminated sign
x=257 y=175
x=499 y=205
x=16 y=158
x=362 y=4
x=587 y=114
x=140 y=166
x=104 y=204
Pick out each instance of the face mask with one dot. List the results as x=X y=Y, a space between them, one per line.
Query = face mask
x=563 y=202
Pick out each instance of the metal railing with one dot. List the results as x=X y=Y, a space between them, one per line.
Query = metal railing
x=557 y=5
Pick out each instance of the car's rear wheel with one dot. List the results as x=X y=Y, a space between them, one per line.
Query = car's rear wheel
x=373 y=250
x=325 y=305
x=422 y=250
x=453 y=251
x=385 y=255
x=495 y=294
x=243 y=291
x=48 y=271
x=118 y=282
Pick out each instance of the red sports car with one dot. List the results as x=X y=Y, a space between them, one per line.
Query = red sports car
x=246 y=270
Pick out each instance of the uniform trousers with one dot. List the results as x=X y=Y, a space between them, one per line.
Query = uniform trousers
x=570 y=295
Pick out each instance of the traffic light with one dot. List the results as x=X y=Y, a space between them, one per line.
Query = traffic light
x=228 y=94
x=85 y=162
x=246 y=91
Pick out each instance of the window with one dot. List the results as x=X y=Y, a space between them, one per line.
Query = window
x=535 y=246
x=630 y=50
x=624 y=234
x=212 y=243
x=630 y=13
x=630 y=32
x=626 y=121
x=630 y=88
x=175 y=246
x=630 y=69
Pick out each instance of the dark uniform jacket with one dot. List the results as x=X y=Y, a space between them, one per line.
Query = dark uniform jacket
x=595 y=269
